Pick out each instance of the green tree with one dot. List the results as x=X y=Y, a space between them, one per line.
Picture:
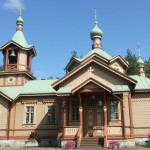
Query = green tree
x=147 y=68
x=132 y=60
x=1 y=68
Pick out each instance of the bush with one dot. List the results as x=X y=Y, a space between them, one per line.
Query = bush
x=70 y=144
x=114 y=144
x=33 y=136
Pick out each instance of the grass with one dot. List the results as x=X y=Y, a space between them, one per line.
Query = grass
x=31 y=148
x=50 y=148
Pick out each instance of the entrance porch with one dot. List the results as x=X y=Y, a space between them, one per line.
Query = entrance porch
x=92 y=116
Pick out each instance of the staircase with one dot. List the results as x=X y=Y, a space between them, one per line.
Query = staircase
x=92 y=142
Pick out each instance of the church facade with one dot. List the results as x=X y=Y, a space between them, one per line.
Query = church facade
x=94 y=103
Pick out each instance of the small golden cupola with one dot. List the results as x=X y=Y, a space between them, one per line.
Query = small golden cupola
x=140 y=64
x=96 y=35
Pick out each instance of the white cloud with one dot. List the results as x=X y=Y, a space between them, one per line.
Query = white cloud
x=12 y=4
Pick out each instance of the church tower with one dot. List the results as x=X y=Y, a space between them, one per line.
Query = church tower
x=17 y=57
x=96 y=35
x=140 y=64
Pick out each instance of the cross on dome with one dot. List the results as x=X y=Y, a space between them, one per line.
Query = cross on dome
x=21 y=8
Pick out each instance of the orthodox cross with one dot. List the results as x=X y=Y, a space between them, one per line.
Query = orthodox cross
x=21 y=8
x=95 y=18
x=90 y=70
x=139 y=50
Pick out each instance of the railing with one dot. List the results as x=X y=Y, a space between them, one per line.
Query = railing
x=70 y=131
x=11 y=67
x=79 y=136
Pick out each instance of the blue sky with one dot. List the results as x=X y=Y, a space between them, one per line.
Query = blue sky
x=57 y=27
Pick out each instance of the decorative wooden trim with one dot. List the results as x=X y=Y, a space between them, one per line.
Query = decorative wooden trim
x=131 y=115
x=18 y=73
x=29 y=101
x=38 y=95
x=49 y=100
x=18 y=45
x=93 y=81
x=119 y=56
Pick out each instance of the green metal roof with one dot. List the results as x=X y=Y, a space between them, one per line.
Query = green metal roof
x=120 y=88
x=19 y=38
x=96 y=31
x=33 y=87
x=100 y=52
x=143 y=82
x=64 y=90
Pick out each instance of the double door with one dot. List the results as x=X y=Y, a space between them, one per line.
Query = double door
x=93 y=117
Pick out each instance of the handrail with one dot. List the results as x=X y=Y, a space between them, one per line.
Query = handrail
x=79 y=136
x=72 y=132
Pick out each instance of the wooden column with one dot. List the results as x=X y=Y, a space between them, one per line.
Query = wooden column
x=17 y=60
x=59 y=123
x=105 y=120
x=81 y=111
x=6 y=63
x=64 y=112
x=123 y=118
x=30 y=58
x=131 y=116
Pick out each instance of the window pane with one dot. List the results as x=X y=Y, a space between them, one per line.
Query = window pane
x=114 y=109
x=75 y=110
x=29 y=114
x=27 y=118
x=51 y=114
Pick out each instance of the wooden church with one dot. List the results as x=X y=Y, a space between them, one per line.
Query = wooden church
x=94 y=103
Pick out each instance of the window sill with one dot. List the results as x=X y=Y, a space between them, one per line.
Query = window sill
x=29 y=125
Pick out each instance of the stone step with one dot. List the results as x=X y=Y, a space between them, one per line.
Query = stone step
x=92 y=142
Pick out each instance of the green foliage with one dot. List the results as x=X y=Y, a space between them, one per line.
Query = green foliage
x=132 y=60
x=147 y=68
x=1 y=68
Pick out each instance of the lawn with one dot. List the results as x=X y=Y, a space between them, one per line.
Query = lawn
x=48 y=148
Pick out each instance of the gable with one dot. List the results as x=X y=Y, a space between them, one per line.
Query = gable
x=68 y=78
x=96 y=72
x=118 y=66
